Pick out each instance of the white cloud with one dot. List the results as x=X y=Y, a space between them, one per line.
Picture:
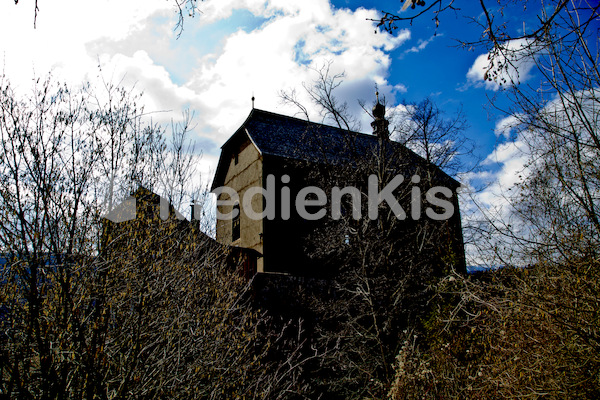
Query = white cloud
x=512 y=66
x=135 y=44
x=421 y=44
x=280 y=54
x=63 y=28
x=492 y=187
x=486 y=199
x=525 y=148
x=162 y=98
x=215 y=10
x=506 y=126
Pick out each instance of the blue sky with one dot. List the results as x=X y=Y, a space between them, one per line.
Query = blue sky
x=238 y=48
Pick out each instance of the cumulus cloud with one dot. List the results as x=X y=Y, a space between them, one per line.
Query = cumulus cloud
x=511 y=157
x=563 y=132
x=214 y=68
x=506 y=126
x=63 y=29
x=283 y=53
x=163 y=99
x=511 y=66
x=486 y=197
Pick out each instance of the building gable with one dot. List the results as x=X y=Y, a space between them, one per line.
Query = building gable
x=241 y=168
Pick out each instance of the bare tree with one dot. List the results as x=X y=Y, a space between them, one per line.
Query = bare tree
x=144 y=309
x=173 y=316
x=437 y=138
x=381 y=268
x=508 y=334
x=321 y=93
x=55 y=145
x=418 y=8
x=526 y=332
x=554 y=208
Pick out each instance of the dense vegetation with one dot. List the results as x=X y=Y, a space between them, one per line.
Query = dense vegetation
x=153 y=309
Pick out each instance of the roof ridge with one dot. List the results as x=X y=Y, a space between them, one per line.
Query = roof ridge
x=307 y=121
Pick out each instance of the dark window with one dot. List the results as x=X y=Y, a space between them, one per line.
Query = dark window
x=235 y=159
x=235 y=223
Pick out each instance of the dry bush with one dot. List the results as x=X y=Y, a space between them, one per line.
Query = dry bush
x=512 y=333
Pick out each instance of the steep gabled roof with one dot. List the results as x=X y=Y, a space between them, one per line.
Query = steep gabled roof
x=293 y=138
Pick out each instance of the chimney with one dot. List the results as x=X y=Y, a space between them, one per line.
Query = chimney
x=380 y=124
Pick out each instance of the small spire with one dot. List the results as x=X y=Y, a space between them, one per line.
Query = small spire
x=378 y=109
x=253 y=101
x=380 y=124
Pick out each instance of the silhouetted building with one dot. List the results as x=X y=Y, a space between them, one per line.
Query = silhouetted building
x=141 y=214
x=283 y=155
